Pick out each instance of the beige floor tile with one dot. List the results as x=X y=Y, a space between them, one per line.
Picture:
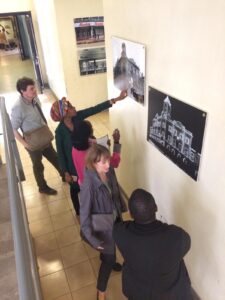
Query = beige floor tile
x=59 y=196
x=80 y=275
x=58 y=207
x=62 y=220
x=87 y=293
x=66 y=189
x=45 y=243
x=67 y=236
x=50 y=262
x=41 y=227
x=114 y=290
x=70 y=203
x=35 y=200
x=91 y=252
x=65 y=297
x=73 y=254
x=54 y=285
x=29 y=186
x=95 y=263
x=30 y=189
x=37 y=213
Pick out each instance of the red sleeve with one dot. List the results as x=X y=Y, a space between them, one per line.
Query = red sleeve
x=115 y=160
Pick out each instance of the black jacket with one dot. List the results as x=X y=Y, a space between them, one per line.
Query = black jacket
x=97 y=201
x=153 y=254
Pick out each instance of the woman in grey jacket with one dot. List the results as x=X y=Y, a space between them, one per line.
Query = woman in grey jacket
x=101 y=205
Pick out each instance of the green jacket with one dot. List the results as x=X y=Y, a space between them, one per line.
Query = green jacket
x=63 y=137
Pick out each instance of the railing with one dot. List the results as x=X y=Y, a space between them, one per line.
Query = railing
x=27 y=275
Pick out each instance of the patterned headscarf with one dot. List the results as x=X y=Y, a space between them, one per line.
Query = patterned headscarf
x=59 y=109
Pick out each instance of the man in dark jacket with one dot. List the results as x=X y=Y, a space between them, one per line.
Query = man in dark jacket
x=153 y=253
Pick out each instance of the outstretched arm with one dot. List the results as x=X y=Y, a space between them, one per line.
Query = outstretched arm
x=85 y=113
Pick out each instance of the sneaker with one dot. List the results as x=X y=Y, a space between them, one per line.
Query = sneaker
x=117 y=267
x=48 y=191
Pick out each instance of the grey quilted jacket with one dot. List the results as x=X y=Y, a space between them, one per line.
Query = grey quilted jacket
x=97 y=201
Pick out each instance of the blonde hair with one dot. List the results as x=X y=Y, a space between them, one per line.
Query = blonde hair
x=94 y=155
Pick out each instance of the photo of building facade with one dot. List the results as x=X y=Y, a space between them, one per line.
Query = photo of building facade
x=89 y=30
x=129 y=68
x=171 y=136
x=92 y=61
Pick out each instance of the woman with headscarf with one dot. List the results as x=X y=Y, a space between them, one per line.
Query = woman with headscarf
x=64 y=112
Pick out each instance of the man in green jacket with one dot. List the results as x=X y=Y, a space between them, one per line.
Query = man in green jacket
x=62 y=111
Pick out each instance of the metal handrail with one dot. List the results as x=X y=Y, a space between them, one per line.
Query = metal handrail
x=27 y=274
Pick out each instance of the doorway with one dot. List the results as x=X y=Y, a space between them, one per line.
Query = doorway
x=17 y=37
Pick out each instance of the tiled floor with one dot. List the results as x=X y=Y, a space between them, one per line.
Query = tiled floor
x=68 y=267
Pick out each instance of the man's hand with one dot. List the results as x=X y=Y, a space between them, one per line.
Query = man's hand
x=20 y=138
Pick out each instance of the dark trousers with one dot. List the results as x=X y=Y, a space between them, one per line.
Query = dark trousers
x=38 y=167
x=108 y=261
x=74 y=191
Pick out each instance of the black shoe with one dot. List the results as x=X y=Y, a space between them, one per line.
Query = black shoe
x=48 y=191
x=117 y=267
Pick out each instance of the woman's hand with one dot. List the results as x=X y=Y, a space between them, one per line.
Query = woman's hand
x=68 y=177
x=100 y=248
x=116 y=136
x=122 y=95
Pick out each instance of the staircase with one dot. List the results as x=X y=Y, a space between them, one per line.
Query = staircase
x=8 y=276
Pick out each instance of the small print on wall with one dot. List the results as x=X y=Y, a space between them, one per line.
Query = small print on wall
x=92 y=61
x=177 y=130
x=129 y=67
x=89 y=30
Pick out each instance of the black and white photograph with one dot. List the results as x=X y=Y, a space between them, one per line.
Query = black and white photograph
x=89 y=30
x=129 y=67
x=92 y=61
x=177 y=130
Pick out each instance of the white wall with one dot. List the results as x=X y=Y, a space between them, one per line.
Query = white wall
x=185 y=58
x=14 y=6
x=50 y=44
x=83 y=91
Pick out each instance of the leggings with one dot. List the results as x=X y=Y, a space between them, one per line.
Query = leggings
x=108 y=261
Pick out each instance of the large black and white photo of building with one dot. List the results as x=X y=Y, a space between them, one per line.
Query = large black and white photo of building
x=92 y=60
x=177 y=130
x=129 y=67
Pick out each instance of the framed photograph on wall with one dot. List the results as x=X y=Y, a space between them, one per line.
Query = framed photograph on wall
x=177 y=130
x=92 y=61
x=89 y=30
x=129 y=67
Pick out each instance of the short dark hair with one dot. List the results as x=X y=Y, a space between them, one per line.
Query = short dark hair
x=142 y=206
x=81 y=134
x=23 y=83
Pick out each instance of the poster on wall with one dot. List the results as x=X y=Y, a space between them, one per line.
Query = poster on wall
x=90 y=40
x=89 y=30
x=129 y=67
x=177 y=130
x=92 y=60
